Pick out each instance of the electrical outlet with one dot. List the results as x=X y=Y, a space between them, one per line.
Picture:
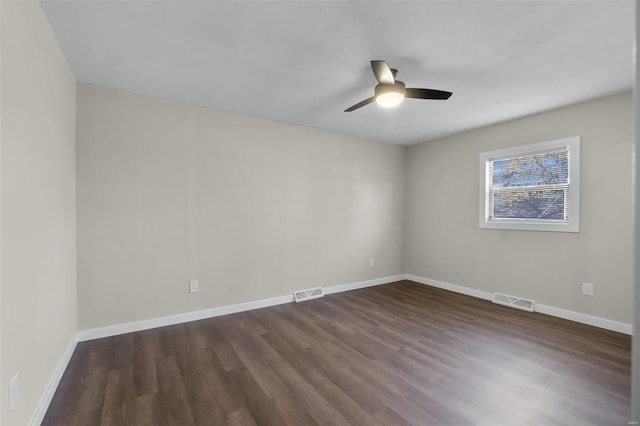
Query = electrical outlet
x=194 y=286
x=372 y=262
x=587 y=289
x=13 y=391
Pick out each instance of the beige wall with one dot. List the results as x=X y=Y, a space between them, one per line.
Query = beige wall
x=252 y=208
x=38 y=255
x=443 y=241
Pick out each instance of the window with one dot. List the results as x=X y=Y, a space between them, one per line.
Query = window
x=533 y=187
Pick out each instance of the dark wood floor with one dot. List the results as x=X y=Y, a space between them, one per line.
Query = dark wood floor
x=396 y=354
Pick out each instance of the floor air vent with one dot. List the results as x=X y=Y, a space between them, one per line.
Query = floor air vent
x=312 y=293
x=514 y=302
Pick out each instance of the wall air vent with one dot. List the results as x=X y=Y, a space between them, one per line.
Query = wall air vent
x=513 y=301
x=312 y=293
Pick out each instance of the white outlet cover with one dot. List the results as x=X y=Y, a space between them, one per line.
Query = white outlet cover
x=13 y=391
x=587 y=289
x=372 y=262
x=194 y=286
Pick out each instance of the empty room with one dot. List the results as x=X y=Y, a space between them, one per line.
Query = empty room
x=318 y=212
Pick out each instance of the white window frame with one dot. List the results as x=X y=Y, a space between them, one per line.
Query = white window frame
x=572 y=224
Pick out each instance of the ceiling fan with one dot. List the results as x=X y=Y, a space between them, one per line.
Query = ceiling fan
x=391 y=92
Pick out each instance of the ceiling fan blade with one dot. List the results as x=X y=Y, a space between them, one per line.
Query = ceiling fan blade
x=413 y=92
x=382 y=72
x=361 y=104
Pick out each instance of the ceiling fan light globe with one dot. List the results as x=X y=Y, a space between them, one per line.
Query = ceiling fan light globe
x=390 y=99
x=390 y=95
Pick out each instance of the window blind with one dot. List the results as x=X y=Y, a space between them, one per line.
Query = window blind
x=532 y=186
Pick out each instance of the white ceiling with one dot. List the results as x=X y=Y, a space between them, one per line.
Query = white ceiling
x=305 y=62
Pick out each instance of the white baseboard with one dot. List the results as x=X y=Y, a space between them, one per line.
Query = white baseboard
x=362 y=284
x=54 y=381
x=607 y=324
x=452 y=287
x=114 y=330
x=130 y=327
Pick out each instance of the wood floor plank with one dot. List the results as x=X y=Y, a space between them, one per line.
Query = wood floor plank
x=263 y=366
x=309 y=398
x=220 y=386
x=142 y=411
x=395 y=354
x=118 y=392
